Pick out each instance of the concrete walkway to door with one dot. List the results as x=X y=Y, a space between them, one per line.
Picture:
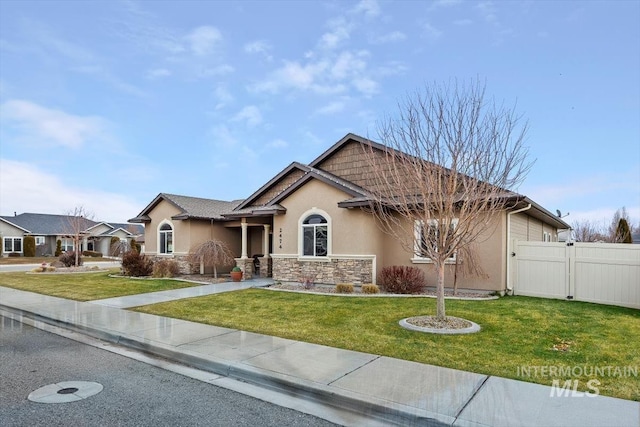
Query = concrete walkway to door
x=175 y=294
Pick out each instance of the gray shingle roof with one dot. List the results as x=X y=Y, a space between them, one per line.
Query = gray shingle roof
x=45 y=224
x=196 y=207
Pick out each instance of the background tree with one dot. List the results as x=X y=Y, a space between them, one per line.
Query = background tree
x=620 y=229
x=212 y=252
x=452 y=156
x=78 y=221
x=588 y=231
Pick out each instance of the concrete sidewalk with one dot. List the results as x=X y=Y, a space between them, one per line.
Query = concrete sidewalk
x=386 y=390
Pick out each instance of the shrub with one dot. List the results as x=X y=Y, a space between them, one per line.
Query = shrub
x=344 y=288
x=68 y=259
x=400 y=279
x=14 y=254
x=29 y=246
x=58 y=248
x=134 y=264
x=93 y=254
x=370 y=288
x=165 y=268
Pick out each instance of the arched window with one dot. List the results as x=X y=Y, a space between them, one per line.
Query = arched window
x=315 y=236
x=165 y=239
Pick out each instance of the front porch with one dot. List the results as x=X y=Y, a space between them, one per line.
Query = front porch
x=255 y=247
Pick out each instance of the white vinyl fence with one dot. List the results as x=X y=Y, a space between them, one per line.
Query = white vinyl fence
x=604 y=273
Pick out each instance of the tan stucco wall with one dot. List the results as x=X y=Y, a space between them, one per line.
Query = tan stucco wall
x=353 y=232
x=491 y=250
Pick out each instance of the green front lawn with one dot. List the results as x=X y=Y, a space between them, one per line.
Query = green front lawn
x=517 y=332
x=86 y=286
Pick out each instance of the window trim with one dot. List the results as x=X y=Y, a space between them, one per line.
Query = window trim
x=301 y=225
x=43 y=239
x=64 y=244
x=173 y=238
x=417 y=239
x=13 y=244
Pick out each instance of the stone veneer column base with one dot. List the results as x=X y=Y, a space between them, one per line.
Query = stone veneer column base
x=333 y=270
x=246 y=265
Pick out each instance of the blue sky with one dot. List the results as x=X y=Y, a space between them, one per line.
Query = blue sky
x=105 y=104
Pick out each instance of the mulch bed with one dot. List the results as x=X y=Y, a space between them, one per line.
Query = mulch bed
x=329 y=289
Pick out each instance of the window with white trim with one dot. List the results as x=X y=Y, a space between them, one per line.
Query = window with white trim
x=165 y=239
x=426 y=235
x=315 y=236
x=12 y=244
x=546 y=237
x=67 y=244
x=39 y=240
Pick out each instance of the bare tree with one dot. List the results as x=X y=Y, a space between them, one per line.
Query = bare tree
x=78 y=221
x=450 y=158
x=467 y=264
x=212 y=252
x=587 y=231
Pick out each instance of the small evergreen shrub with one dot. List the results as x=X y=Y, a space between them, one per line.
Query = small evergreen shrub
x=136 y=265
x=29 y=246
x=370 y=288
x=58 y=248
x=92 y=254
x=68 y=259
x=401 y=279
x=166 y=268
x=344 y=288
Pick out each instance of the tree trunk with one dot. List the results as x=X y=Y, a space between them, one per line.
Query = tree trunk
x=440 y=312
x=77 y=248
x=215 y=272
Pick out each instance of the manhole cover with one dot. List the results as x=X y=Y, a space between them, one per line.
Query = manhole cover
x=65 y=392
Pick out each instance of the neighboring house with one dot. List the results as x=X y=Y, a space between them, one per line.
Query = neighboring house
x=47 y=229
x=312 y=221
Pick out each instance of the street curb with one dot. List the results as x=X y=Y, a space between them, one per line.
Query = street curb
x=378 y=409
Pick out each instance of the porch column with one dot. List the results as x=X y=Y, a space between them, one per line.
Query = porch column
x=243 y=224
x=265 y=241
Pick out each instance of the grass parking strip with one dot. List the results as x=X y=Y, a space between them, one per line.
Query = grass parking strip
x=520 y=336
x=86 y=286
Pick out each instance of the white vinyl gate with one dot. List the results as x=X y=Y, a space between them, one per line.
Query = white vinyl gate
x=603 y=273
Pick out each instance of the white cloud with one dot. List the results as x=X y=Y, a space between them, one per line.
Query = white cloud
x=223 y=96
x=366 y=85
x=370 y=8
x=203 y=40
x=340 y=31
x=260 y=47
x=249 y=114
x=278 y=143
x=431 y=32
x=25 y=188
x=157 y=73
x=332 y=108
x=222 y=136
x=394 y=36
x=37 y=124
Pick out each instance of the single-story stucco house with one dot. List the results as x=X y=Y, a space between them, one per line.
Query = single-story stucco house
x=48 y=229
x=311 y=221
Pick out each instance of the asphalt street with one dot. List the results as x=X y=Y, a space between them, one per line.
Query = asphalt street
x=134 y=394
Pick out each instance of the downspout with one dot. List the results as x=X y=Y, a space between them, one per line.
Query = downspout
x=509 y=251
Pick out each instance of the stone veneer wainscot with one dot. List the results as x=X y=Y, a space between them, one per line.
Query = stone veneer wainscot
x=330 y=270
